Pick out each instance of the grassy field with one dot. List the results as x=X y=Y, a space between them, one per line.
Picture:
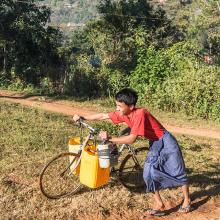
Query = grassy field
x=30 y=137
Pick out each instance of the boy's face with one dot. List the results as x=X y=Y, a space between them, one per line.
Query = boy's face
x=124 y=109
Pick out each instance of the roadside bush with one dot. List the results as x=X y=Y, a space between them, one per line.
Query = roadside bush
x=194 y=93
x=116 y=80
x=173 y=79
x=152 y=68
x=80 y=83
x=156 y=65
x=83 y=80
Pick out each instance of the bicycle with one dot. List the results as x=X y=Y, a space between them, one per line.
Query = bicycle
x=59 y=178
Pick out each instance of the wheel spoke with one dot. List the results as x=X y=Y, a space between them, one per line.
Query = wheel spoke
x=57 y=179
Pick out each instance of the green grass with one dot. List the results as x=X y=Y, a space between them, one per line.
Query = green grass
x=30 y=137
x=28 y=134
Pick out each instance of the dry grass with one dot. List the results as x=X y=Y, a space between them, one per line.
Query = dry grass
x=29 y=137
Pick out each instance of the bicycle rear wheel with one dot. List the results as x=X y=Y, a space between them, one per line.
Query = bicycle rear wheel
x=131 y=170
x=57 y=180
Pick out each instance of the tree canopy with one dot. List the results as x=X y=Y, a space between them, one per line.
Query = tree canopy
x=27 y=44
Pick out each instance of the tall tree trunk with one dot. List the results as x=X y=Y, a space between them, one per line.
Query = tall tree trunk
x=5 y=58
x=5 y=63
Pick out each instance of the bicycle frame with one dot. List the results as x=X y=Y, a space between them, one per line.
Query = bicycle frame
x=90 y=136
x=130 y=149
x=126 y=146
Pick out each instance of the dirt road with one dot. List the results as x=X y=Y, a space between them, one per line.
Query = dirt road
x=67 y=109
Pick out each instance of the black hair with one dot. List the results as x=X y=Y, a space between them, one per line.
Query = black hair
x=127 y=95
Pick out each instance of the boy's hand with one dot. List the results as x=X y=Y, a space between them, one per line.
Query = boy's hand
x=76 y=118
x=103 y=135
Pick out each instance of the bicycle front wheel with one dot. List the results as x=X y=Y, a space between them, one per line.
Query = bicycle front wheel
x=131 y=170
x=58 y=179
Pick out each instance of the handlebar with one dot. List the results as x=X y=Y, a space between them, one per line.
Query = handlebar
x=91 y=129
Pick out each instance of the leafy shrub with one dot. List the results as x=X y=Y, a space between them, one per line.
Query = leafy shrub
x=150 y=71
x=116 y=80
x=173 y=79
x=155 y=65
x=194 y=93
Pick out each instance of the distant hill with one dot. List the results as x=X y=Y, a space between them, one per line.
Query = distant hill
x=71 y=13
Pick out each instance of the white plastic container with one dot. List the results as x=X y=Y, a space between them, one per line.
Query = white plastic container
x=104 y=155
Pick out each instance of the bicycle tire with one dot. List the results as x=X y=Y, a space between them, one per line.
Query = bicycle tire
x=55 y=178
x=130 y=172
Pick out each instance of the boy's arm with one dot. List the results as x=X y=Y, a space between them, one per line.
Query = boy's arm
x=128 y=139
x=98 y=116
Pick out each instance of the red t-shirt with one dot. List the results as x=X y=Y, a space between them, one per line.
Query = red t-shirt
x=141 y=122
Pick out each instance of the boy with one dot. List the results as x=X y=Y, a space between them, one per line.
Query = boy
x=164 y=166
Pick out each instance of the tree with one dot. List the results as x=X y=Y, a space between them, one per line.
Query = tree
x=28 y=44
x=200 y=22
x=125 y=25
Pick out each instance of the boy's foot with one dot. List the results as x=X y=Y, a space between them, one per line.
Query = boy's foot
x=186 y=202
x=158 y=210
x=155 y=212
x=185 y=207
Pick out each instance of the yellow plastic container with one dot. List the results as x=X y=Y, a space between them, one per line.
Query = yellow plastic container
x=74 y=147
x=91 y=174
